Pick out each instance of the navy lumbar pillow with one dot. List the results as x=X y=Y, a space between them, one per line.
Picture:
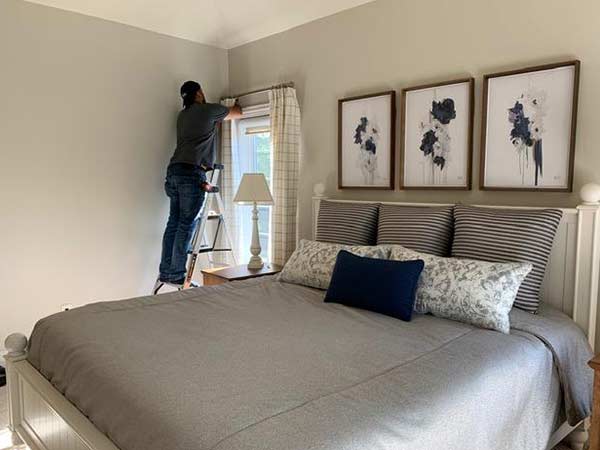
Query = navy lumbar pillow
x=379 y=285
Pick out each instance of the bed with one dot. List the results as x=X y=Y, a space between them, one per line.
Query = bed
x=263 y=364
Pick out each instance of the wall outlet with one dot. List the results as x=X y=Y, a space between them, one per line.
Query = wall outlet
x=66 y=306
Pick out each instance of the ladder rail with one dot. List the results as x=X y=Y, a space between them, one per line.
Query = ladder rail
x=202 y=216
x=221 y=206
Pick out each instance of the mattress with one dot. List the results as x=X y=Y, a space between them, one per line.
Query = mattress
x=266 y=365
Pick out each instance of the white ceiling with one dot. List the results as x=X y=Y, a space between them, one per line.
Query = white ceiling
x=222 y=23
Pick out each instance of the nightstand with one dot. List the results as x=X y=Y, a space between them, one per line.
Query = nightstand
x=595 y=426
x=222 y=275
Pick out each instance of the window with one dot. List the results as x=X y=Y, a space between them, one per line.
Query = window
x=254 y=155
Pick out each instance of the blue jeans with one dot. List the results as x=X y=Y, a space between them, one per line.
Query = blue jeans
x=183 y=189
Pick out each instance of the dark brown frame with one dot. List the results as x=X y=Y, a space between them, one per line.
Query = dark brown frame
x=467 y=187
x=576 y=65
x=392 y=95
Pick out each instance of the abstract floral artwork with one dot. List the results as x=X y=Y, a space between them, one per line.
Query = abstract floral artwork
x=366 y=141
x=529 y=120
x=366 y=136
x=437 y=135
x=436 y=138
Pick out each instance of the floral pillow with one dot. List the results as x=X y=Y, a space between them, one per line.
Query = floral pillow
x=479 y=293
x=312 y=262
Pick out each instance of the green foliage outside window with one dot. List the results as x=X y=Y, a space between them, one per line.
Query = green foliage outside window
x=262 y=144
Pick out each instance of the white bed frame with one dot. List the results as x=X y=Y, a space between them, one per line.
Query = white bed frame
x=41 y=417
x=572 y=275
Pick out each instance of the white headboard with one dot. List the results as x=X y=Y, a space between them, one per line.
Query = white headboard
x=572 y=275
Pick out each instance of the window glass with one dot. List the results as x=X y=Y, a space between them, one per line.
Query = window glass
x=254 y=155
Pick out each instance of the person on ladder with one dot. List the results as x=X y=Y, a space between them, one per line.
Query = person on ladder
x=186 y=184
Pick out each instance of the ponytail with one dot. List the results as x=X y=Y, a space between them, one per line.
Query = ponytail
x=188 y=100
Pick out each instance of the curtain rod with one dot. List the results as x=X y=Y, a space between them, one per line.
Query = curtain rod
x=257 y=91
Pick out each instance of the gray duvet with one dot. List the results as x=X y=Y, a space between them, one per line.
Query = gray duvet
x=267 y=365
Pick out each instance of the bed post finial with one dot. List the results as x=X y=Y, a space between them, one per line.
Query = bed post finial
x=16 y=344
x=590 y=194
x=319 y=190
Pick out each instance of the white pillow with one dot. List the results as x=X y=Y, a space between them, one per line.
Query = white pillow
x=479 y=293
x=312 y=262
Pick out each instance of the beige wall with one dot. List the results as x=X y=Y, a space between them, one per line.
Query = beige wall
x=88 y=107
x=87 y=113
x=392 y=44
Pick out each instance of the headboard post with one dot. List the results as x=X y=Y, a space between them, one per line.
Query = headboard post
x=587 y=269
x=588 y=258
x=319 y=194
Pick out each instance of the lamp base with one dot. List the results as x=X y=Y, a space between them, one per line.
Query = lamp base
x=255 y=262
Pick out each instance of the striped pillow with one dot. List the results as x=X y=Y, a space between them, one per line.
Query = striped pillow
x=508 y=235
x=347 y=223
x=423 y=229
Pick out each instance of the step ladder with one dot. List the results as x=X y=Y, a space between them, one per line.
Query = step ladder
x=201 y=242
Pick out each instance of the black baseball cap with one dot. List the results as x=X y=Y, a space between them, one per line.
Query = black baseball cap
x=189 y=88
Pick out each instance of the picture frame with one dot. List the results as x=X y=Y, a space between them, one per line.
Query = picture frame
x=436 y=145
x=529 y=122
x=367 y=141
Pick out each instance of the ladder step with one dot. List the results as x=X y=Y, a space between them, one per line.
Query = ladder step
x=201 y=249
x=207 y=249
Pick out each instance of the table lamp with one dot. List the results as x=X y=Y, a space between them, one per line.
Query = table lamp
x=254 y=190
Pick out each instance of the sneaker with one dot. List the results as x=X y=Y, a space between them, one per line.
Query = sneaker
x=179 y=283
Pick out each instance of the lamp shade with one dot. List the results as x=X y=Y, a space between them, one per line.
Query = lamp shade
x=253 y=188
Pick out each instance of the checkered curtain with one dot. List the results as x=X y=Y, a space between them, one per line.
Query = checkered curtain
x=285 y=138
x=228 y=185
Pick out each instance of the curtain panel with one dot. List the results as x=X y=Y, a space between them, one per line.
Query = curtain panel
x=227 y=186
x=285 y=138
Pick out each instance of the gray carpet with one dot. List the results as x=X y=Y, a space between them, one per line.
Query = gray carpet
x=5 y=436
x=3 y=408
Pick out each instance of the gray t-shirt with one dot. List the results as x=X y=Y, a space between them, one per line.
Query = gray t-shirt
x=196 y=132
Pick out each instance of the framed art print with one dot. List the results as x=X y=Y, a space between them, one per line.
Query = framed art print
x=528 y=128
x=366 y=141
x=437 y=135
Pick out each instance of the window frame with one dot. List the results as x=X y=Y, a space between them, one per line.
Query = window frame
x=247 y=155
